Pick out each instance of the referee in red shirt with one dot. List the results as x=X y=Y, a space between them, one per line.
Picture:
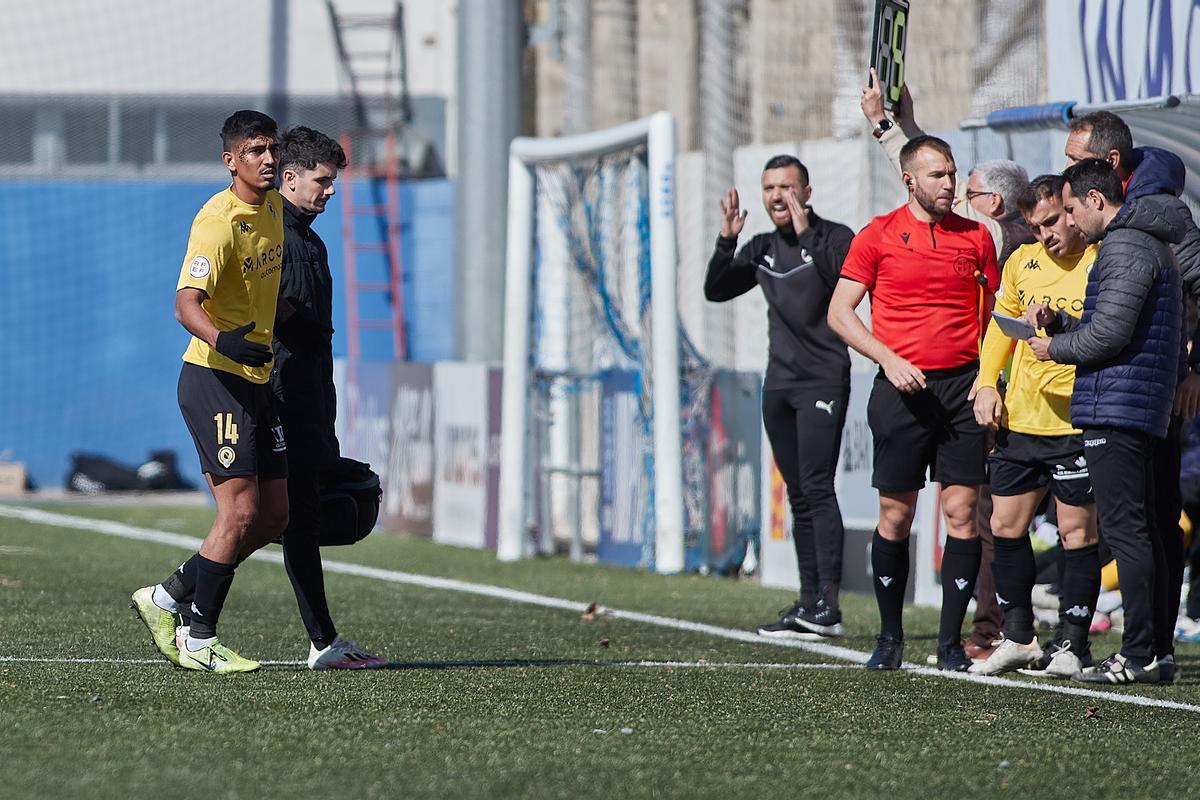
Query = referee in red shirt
x=931 y=275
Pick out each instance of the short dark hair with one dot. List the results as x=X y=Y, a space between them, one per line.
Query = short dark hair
x=303 y=148
x=246 y=124
x=1043 y=187
x=1094 y=173
x=783 y=161
x=919 y=143
x=1108 y=132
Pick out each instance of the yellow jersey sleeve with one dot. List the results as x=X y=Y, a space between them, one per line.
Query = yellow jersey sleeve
x=209 y=251
x=996 y=346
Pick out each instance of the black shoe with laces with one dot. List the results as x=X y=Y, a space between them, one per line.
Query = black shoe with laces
x=1118 y=669
x=822 y=620
x=889 y=653
x=788 y=625
x=952 y=658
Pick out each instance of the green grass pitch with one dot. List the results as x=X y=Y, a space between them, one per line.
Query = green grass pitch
x=495 y=698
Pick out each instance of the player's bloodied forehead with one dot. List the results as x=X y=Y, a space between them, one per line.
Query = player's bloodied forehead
x=256 y=146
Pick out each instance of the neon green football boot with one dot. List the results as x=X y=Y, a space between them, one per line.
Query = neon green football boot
x=159 y=621
x=215 y=658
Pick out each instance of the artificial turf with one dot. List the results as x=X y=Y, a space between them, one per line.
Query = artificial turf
x=493 y=698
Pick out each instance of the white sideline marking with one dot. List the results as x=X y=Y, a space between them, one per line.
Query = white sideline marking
x=124 y=531
x=124 y=661
x=416 y=664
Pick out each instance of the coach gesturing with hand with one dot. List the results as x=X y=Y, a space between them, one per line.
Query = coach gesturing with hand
x=807 y=383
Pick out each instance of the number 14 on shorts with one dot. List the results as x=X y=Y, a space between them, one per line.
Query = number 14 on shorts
x=227 y=429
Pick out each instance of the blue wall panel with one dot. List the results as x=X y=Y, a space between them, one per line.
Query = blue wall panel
x=89 y=347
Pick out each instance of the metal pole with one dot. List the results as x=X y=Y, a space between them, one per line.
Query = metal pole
x=577 y=66
x=490 y=42
x=277 y=93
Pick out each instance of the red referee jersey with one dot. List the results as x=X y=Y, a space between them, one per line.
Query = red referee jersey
x=924 y=283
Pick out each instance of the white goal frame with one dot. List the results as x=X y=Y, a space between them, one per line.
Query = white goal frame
x=658 y=132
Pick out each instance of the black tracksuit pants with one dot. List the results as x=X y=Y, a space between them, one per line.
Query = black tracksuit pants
x=804 y=425
x=302 y=556
x=1120 y=463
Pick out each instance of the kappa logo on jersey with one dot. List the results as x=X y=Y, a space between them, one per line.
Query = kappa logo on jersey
x=226 y=456
x=905 y=236
x=1033 y=264
x=200 y=267
x=826 y=406
x=1079 y=611
x=961 y=583
x=244 y=226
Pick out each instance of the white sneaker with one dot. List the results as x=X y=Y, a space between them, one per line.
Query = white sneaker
x=1007 y=656
x=343 y=654
x=1187 y=629
x=1064 y=663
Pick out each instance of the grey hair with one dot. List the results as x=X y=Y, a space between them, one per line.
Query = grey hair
x=1005 y=178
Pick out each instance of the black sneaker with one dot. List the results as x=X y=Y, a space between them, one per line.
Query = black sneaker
x=952 y=658
x=1117 y=669
x=788 y=626
x=822 y=620
x=889 y=653
x=1168 y=671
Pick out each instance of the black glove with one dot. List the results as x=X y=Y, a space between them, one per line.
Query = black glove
x=233 y=345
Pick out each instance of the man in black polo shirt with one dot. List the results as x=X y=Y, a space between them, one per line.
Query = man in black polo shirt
x=807 y=383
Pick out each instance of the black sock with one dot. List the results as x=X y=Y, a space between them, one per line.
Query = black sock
x=1080 y=588
x=212 y=585
x=181 y=584
x=960 y=568
x=1015 y=571
x=889 y=565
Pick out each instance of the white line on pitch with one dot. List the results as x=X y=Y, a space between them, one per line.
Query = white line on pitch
x=124 y=531
x=465 y=664
x=123 y=661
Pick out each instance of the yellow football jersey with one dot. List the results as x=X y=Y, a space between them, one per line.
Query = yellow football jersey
x=235 y=255
x=1038 y=401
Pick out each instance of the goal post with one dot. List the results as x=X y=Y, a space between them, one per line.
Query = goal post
x=652 y=139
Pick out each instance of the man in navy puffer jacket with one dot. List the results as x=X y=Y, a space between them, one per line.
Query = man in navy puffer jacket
x=1128 y=348
x=1147 y=172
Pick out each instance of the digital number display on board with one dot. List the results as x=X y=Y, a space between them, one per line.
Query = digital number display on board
x=888 y=48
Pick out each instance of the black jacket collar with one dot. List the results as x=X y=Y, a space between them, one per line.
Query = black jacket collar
x=295 y=217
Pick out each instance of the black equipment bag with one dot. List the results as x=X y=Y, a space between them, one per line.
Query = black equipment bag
x=350 y=499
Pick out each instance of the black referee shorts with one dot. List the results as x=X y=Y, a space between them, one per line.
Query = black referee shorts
x=931 y=430
x=1022 y=462
x=233 y=423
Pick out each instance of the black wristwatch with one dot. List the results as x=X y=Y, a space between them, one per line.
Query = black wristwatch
x=883 y=126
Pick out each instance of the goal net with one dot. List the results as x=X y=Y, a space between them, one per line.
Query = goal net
x=596 y=423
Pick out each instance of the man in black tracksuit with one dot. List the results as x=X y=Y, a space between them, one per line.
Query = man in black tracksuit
x=1129 y=350
x=807 y=383
x=302 y=380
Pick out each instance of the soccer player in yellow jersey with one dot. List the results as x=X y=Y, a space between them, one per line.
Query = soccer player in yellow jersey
x=1037 y=449
x=226 y=298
